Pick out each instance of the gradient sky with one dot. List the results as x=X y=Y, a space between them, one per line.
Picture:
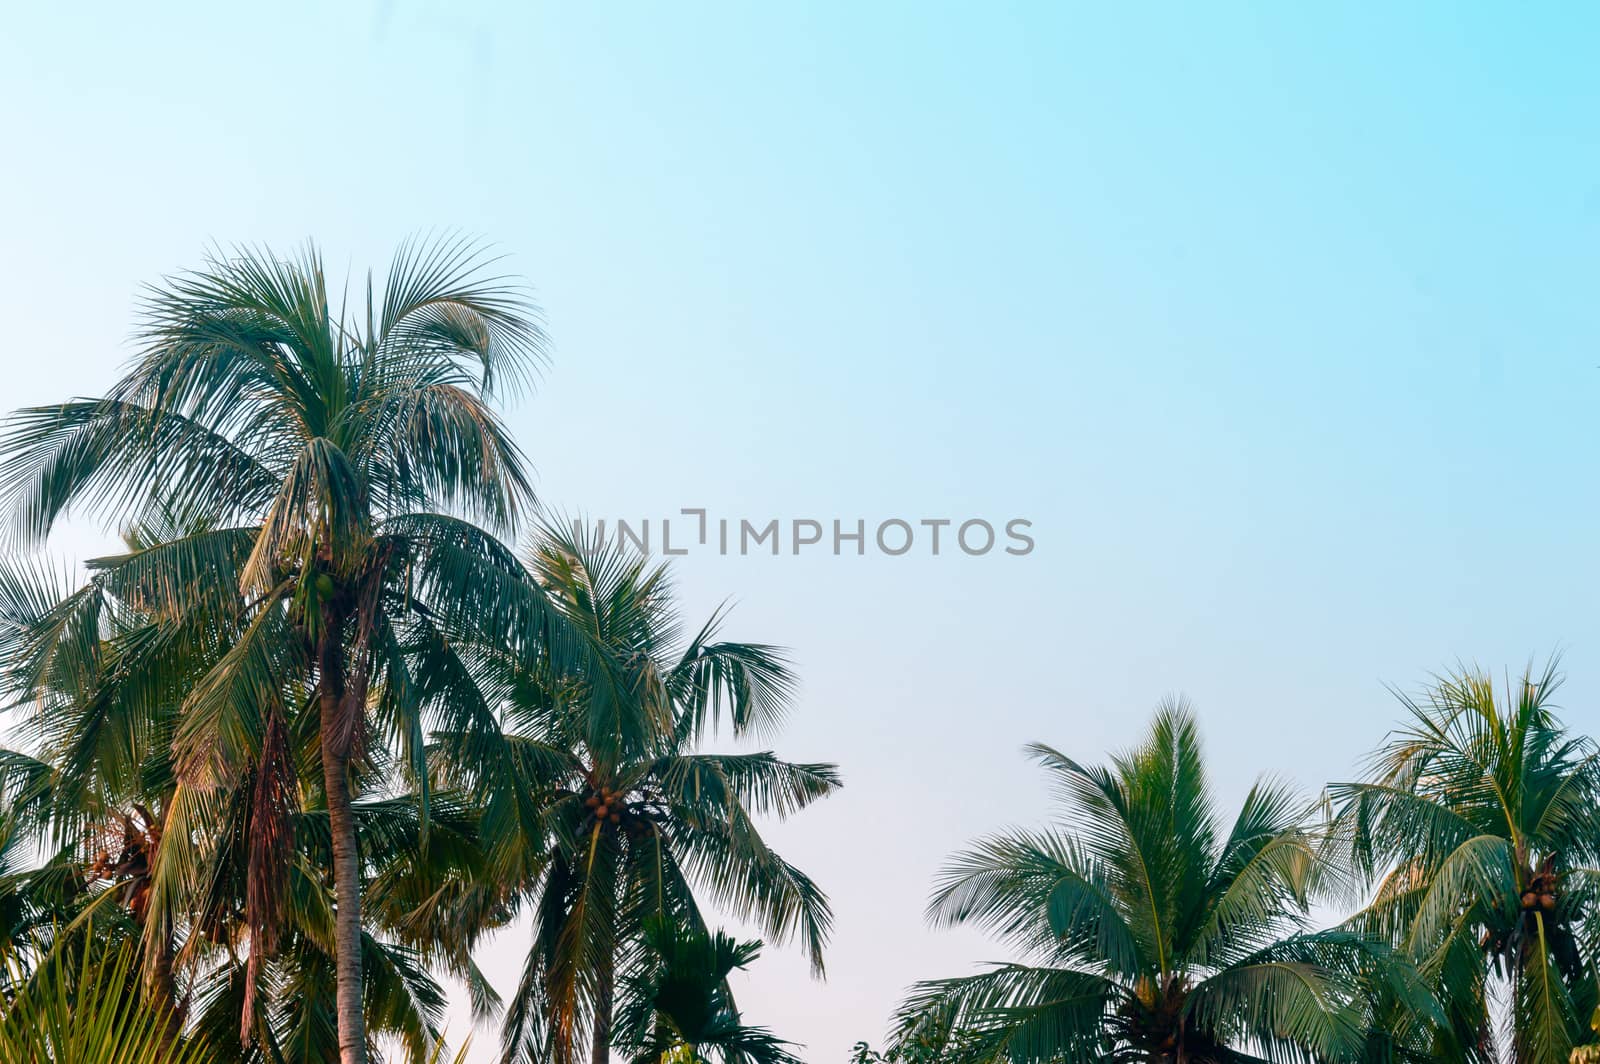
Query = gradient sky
x=1280 y=324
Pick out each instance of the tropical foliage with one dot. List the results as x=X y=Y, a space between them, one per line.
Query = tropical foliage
x=677 y=1005
x=242 y=731
x=1145 y=932
x=330 y=716
x=626 y=823
x=1147 y=926
x=89 y=1011
x=1479 y=825
x=305 y=466
x=98 y=786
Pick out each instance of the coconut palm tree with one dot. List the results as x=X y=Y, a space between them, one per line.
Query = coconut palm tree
x=1148 y=928
x=677 y=1006
x=322 y=462
x=608 y=814
x=1478 y=830
x=102 y=713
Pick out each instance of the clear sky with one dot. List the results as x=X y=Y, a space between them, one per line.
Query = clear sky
x=1279 y=323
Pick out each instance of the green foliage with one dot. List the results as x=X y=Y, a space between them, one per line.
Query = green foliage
x=917 y=1051
x=601 y=808
x=1478 y=829
x=89 y=1011
x=1589 y=1054
x=135 y=843
x=315 y=731
x=1148 y=927
x=306 y=615
x=676 y=1004
x=297 y=483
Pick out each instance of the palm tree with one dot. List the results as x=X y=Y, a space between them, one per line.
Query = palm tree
x=678 y=1007
x=1478 y=828
x=608 y=815
x=102 y=713
x=325 y=463
x=1149 y=929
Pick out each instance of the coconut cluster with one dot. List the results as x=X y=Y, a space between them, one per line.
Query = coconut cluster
x=1540 y=894
x=129 y=864
x=612 y=810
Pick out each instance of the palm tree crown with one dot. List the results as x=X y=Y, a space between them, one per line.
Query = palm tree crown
x=1479 y=828
x=315 y=467
x=1150 y=929
x=608 y=814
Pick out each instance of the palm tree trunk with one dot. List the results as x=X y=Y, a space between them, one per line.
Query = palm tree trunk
x=164 y=988
x=346 y=857
x=601 y=1051
x=163 y=983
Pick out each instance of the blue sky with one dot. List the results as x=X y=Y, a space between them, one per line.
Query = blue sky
x=1279 y=324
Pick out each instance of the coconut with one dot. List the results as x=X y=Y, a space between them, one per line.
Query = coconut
x=1547 y=902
